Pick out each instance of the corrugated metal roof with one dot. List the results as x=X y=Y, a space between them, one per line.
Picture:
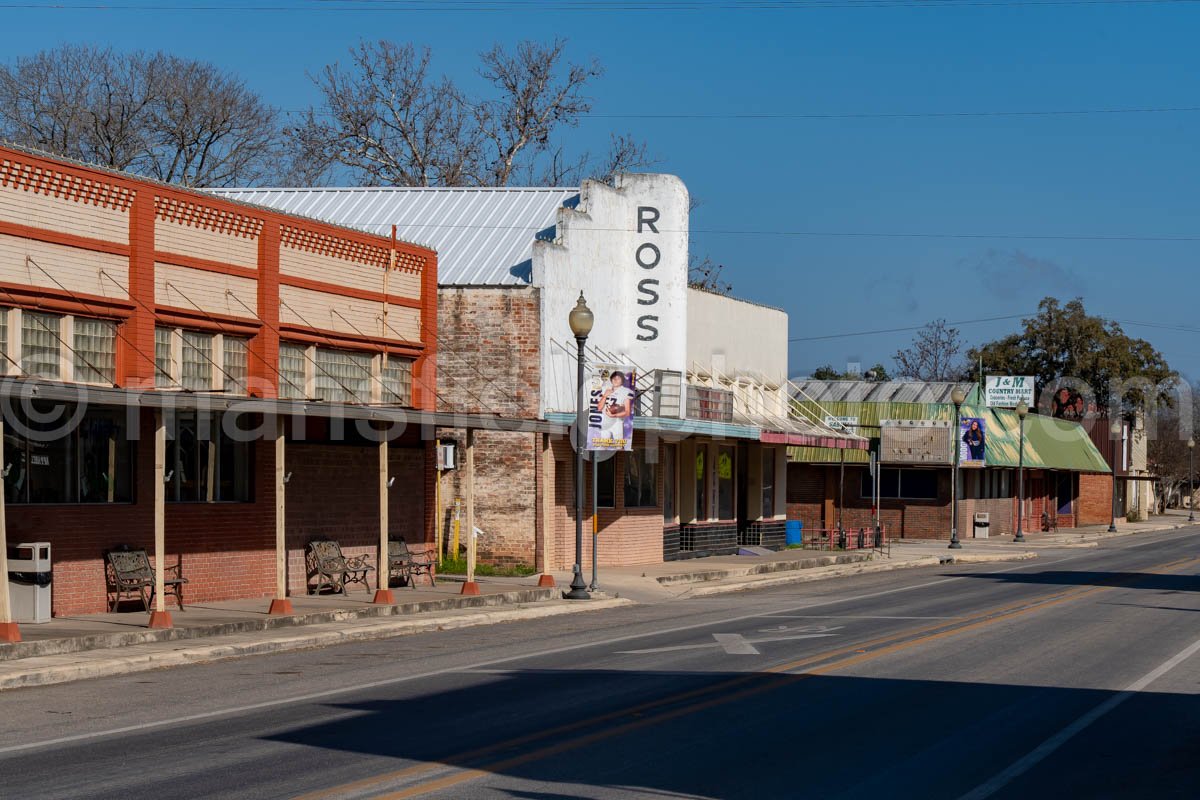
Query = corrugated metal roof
x=483 y=236
x=1049 y=443
x=882 y=391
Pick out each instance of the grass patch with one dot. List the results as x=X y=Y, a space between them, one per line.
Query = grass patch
x=458 y=566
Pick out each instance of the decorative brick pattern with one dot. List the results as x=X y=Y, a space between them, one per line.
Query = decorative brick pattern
x=196 y=215
x=348 y=249
x=55 y=183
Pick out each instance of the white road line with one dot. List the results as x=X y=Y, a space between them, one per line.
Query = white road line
x=841 y=616
x=341 y=690
x=1046 y=748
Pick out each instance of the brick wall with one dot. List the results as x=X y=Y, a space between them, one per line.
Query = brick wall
x=488 y=350
x=1095 y=499
x=488 y=362
x=627 y=536
x=333 y=494
x=226 y=549
x=506 y=508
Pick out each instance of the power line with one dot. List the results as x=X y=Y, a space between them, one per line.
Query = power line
x=585 y=6
x=903 y=329
x=533 y=229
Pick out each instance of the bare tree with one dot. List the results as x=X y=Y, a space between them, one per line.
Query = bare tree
x=704 y=273
x=388 y=120
x=170 y=118
x=934 y=354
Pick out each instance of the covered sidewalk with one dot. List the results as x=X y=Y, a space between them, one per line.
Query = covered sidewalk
x=270 y=419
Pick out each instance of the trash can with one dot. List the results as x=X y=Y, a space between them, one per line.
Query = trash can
x=794 y=532
x=29 y=579
x=982 y=524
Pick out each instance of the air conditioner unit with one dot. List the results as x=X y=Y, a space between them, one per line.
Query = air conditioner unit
x=668 y=394
x=445 y=455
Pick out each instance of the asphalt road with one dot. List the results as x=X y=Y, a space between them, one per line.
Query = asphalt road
x=1076 y=675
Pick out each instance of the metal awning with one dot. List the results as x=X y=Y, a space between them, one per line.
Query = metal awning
x=27 y=389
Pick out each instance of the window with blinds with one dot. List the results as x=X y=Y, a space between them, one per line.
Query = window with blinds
x=95 y=350
x=163 y=372
x=397 y=381
x=40 y=353
x=291 y=372
x=234 y=352
x=197 y=372
x=343 y=377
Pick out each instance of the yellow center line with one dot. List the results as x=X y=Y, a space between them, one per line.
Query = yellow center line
x=842 y=657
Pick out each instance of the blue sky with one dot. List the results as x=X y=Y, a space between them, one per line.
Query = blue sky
x=1034 y=188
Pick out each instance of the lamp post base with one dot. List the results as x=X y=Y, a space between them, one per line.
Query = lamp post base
x=1112 y=527
x=1020 y=537
x=578 y=587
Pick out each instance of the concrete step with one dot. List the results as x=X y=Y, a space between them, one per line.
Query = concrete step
x=764 y=568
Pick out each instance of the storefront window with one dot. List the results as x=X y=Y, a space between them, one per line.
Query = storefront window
x=640 y=481
x=40 y=354
x=205 y=463
x=768 y=483
x=906 y=484
x=52 y=457
x=701 y=486
x=668 y=462
x=606 y=482
x=725 y=458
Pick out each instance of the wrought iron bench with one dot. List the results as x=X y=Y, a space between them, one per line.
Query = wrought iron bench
x=129 y=574
x=406 y=564
x=332 y=569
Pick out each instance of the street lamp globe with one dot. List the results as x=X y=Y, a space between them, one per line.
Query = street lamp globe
x=1022 y=409
x=957 y=396
x=1115 y=429
x=581 y=319
x=1191 y=443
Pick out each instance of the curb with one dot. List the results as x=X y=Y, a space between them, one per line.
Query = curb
x=842 y=570
x=99 y=664
x=104 y=641
x=764 y=568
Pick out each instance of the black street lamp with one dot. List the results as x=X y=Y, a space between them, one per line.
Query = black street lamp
x=1115 y=430
x=1022 y=412
x=957 y=396
x=1191 y=479
x=581 y=320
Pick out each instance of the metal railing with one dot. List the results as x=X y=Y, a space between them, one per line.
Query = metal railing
x=832 y=539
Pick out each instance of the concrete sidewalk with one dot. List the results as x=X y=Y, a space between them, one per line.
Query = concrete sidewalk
x=1084 y=536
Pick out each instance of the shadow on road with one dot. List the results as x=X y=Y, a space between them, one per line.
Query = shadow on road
x=611 y=734
x=1131 y=580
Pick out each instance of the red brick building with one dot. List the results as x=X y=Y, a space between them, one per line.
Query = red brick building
x=127 y=304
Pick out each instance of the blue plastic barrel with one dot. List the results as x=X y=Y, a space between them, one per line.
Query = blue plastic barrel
x=795 y=531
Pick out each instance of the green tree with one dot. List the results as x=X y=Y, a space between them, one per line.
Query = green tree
x=826 y=372
x=1082 y=364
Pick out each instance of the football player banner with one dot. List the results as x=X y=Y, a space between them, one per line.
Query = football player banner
x=612 y=403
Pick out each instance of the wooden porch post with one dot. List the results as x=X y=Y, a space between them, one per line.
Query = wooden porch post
x=470 y=587
x=547 y=512
x=280 y=604
x=160 y=617
x=9 y=631
x=383 y=591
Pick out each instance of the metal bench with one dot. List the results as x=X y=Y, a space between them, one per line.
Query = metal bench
x=130 y=575
x=332 y=569
x=407 y=565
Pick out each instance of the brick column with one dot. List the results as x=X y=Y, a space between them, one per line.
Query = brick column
x=135 y=349
x=264 y=347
